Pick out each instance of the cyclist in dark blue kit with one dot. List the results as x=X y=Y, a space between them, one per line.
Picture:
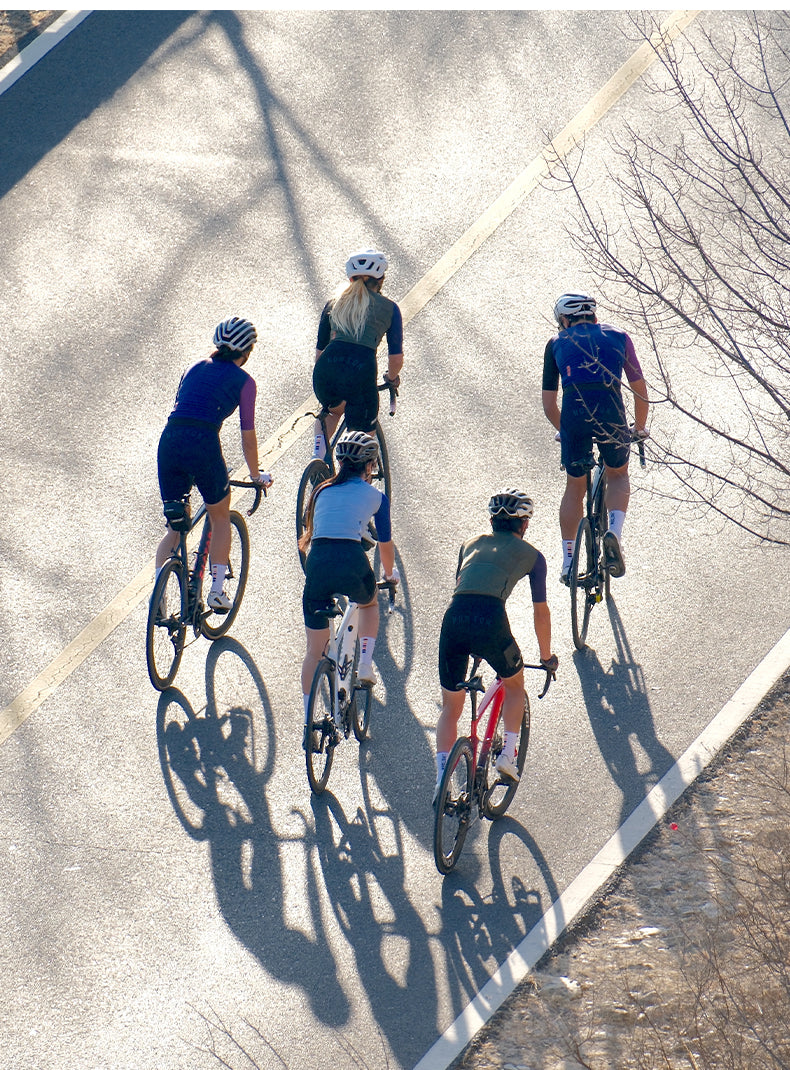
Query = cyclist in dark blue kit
x=189 y=448
x=351 y=327
x=590 y=359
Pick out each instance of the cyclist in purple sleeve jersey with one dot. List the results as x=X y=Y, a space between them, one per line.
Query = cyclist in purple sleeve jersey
x=337 y=516
x=190 y=453
x=476 y=623
x=352 y=325
x=590 y=358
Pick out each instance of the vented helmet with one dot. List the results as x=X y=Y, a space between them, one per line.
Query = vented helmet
x=235 y=333
x=511 y=502
x=357 y=447
x=366 y=262
x=574 y=305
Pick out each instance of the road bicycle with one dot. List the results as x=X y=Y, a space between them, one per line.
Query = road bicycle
x=470 y=783
x=338 y=702
x=320 y=469
x=179 y=599
x=588 y=577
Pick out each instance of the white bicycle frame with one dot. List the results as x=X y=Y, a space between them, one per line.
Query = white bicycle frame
x=340 y=651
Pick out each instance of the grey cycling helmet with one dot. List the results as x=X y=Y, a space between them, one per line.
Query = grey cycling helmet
x=358 y=447
x=574 y=305
x=366 y=262
x=511 y=502
x=235 y=333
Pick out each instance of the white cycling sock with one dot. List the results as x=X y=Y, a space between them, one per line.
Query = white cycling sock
x=616 y=520
x=366 y=645
x=218 y=577
x=319 y=446
x=511 y=742
x=567 y=551
x=306 y=700
x=441 y=762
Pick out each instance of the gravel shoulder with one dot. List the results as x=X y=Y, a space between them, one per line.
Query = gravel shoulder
x=683 y=960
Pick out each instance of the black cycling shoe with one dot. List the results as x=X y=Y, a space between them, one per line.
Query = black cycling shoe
x=613 y=555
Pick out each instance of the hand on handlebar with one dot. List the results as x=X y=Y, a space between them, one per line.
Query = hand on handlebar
x=264 y=479
x=394 y=383
x=550 y=664
x=394 y=578
x=639 y=434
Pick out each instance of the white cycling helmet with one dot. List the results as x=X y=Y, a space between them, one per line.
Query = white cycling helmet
x=511 y=502
x=574 y=305
x=235 y=333
x=356 y=446
x=366 y=262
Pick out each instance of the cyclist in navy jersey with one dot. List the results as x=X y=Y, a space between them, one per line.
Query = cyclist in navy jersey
x=337 y=515
x=189 y=448
x=351 y=327
x=476 y=623
x=590 y=358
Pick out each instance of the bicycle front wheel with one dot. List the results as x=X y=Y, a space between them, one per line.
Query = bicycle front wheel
x=453 y=807
x=320 y=734
x=381 y=473
x=213 y=625
x=603 y=524
x=166 y=628
x=499 y=793
x=582 y=583
x=315 y=473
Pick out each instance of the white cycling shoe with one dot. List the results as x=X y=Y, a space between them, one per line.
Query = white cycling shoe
x=506 y=768
x=366 y=675
x=219 y=602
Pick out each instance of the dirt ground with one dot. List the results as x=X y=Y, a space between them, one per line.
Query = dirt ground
x=684 y=962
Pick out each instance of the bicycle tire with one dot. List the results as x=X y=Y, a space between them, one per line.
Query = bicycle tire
x=602 y=520
x=582 y=582
x=165 y=633
x=315 y=473
x=214 y=625
x=361 y=705
x=320 y=734
x=498 y=794
x=453 y=808
x=381 y=473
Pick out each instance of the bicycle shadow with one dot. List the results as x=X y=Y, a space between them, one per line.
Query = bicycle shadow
x=361 y=865
x=619 y=712
x=478 y=934
x=216 y=764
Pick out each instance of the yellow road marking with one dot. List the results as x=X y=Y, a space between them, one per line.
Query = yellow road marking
x=37 y=692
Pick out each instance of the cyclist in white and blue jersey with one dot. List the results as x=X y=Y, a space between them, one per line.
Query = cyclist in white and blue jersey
x=338 y=515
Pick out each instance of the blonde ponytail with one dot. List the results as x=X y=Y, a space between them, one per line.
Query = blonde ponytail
x=350 y=308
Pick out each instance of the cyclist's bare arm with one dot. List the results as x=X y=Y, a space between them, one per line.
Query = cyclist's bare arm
x=249 y=447
x=394 y=365
x=542 y=619
x=641 y=404
x=551 y=408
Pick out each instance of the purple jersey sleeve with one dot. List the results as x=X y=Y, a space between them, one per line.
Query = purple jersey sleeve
x=247 y=405
x=633 y=370
x=537 y=579
x=395 y=332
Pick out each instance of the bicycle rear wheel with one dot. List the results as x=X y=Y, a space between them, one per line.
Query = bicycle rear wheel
x=499 y=793
x=166 y=628
x=315 y=473
x=582 y=582
x=213 y=625
x=320 y=735
x=453 y=808
x=361 y=706
x=381 y=473
x=602 y=525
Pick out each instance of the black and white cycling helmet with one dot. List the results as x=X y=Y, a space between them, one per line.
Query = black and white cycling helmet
x=235 y=333
x=357 y=447
x=366 y=262
x=574 y=305
x=511 y=502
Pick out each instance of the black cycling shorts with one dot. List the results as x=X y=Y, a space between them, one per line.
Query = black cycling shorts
x=191 y=455
x=593 y=415
x=335 y=566
x=476 y=624
x=347 y=372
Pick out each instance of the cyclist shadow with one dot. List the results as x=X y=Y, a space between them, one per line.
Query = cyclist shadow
x=478 y=934
x=361 y=862
x=216 y=764
x=619 y=711
x=395 y=728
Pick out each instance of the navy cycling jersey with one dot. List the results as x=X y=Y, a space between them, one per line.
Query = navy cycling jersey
x=210 y=390
x=342 y=511
x=589 y=355
x=384 y=317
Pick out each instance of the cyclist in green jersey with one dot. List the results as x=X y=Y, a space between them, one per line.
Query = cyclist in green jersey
x=476 y=623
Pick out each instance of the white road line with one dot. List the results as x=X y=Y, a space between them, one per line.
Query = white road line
x=38 y=48
x=602 y=868
x=80 y=648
